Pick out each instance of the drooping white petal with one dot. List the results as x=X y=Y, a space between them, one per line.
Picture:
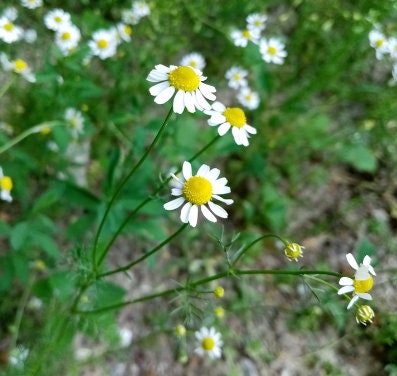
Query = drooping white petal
x=250 y=129
x=216 y=119
x=187 y=170
x=165 y=95
x=207 y=91
x=193 y=215
x=158 y=88
x=174 y=204
x=179 y=103
x=201 y=101
x=346 y=281
x=345 y=290
x=185 y=212
x=207 y=214
x=236 y=136
x=352 y=261
x=223 y=128
x=227 y=201
x=219 y=211
x=354 y=299
x=189 y=102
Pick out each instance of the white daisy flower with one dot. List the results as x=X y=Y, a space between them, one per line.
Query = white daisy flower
x=11 y=13
x=18 y=66
x=5 y=187
x=198 y=191
x=209 y=343
x=194 y=60
x=230 y=118
x=256 y=22
x=237 y=77
x=75 y=121
x=103 y=44
x=31 y=4
x=9 y=32
x=362 y=282
x=364 y=314
x=123 y=32
x=56 y=19
x=272 y=50
x=378 y=41
x=30 y=36
x=128 y=16
x=242 y=37
x=141 y=9
x=248 y=98
x=67 y=38
x=18 y=356
x=392 y=46
x=187 y=82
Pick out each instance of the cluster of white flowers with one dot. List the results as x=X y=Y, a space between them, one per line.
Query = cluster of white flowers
x=272 y=49
x=75 y=121
x=135 y=13
x=385 y=48
x=10 y=32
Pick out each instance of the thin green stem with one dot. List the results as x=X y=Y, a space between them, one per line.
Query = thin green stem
x=28 y=132
x=118 y=190
x=7 y=85
x=224 y=274
x=150 y=198
x=247 y=247
x=146 y=255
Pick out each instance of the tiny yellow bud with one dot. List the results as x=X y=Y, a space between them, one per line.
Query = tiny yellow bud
x=219 y=292
x=293 y=251
x=39 y=265
x=364 y=314
x=219 y=312
x=45 y=130
x=180 y=330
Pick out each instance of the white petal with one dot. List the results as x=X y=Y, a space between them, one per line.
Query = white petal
x=164 y=69
x=221 y=189
x=346 y=281
x=352 y=261
x=236 y=136
x=189 y=102
x=193 y=215
x=187 y=170
x=220 y=212
x=216 y=119
x=174 y=204
x=185 y=212
x=250 y=129
x=179 y=104
x=158 y=88
x=176 y=191
x=371 y=270
x=345 y=290
x=220 y=182
x=365 y=295
x=201 y=101
x=354 y=299
x=203 y=170
x=223 y=128
x=207 y=91
x=213 y=174
x=156 y=76
x=207 y=214
x=219 y=107
x=225 y=200
x=165 y=95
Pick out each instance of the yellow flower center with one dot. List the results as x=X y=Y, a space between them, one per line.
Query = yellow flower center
x=66 y=35
x=197 y=190
x=246 y=34
x=379 y=42
x=257 y=23
x=235 y=116
x=193 y=63
x=248 y=97
x=236 y=76
x=6 y=183
x=58 y=19
x=20 y=65
x=9 y=26
x=128 y=29
x=208 y=343
x=272 y=50
x=184 y=78
x=293 y=251
x=102 y=43
x=363 y=285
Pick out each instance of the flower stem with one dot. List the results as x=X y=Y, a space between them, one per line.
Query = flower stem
x=7 y=85
x=227 y=273
x=28 y=132
x=145 y=256
x=118 y=190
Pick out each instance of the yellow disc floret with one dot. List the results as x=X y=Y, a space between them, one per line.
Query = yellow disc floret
x=66 y=35
x=293 y=251
x=102 y=43
x=235 y=116
x=208 y=343
x=272 y=50
x=9 y=26
x=363 y=285
x=197 y=190
x=246 y=34
x=6 y=183
x=20 y=65
x=184 y=78
x=379 y=42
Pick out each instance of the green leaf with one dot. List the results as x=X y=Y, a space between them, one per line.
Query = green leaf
x=46 y=243
x=6 y=273
x=19 y=235
x=21 y=267
x=359 y=156
x=46 y=200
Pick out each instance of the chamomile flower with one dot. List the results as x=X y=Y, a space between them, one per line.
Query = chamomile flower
x=236 y=77
x=10 y=12
x=18 y=66
x=31 y=4
x=362 y=282
x=5 y=187
x=9 y=32
x=293 y=251
x=194 y=60
x=129 y=17
x=379 y=42
x=123 y=32
x=230 y=118
x=141 y=9
x=198 y=191
x=67 y=38
x=256 y=22
x=75 y=121
x=248 y=98
x=392 y=42
x=103 y=44
x=191 y=92
x=272 y=50
x=56 y=18
x=242 y=37
x=209 y=343
x=364 y=314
